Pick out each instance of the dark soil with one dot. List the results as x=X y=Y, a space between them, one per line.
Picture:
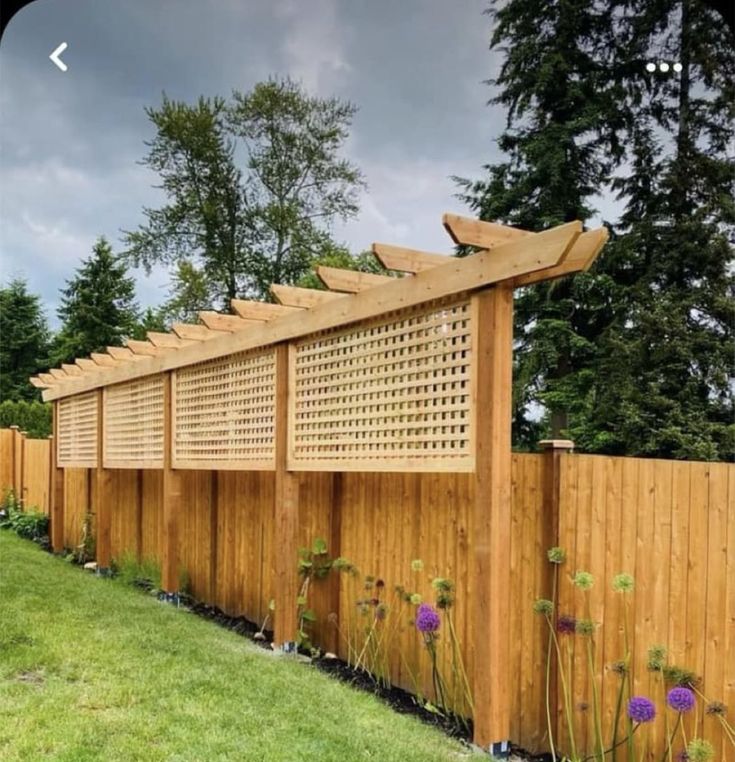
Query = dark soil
x=399 y=700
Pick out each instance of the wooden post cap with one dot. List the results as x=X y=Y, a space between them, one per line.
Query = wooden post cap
x=556 y=444
x=14 y=427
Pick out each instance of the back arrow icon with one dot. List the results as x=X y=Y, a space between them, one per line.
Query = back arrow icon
x=55 y=56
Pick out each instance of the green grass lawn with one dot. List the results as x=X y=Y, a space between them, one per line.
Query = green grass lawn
x=93 y=670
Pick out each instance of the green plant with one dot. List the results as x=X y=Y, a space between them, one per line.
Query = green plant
x=85 y=551
x=314 y=564
x=29 y=524
x=145 y=573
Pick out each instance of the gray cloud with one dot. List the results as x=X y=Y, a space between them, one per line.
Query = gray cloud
x=71 y=141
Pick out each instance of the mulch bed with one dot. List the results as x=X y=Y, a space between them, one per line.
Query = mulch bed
x=398 y=699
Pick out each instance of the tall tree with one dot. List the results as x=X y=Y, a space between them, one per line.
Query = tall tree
x=561 y=142
x=633 y=356
x=663 y=384
x=253 y=186
x=24 y=338
x=98 y=307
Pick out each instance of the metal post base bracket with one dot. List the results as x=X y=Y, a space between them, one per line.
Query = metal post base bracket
x=103 y=571
x=289 y=647
x=500 y=749
x=169 y=598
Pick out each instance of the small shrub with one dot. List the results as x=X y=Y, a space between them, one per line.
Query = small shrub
x=145 y=573
x=30 y=524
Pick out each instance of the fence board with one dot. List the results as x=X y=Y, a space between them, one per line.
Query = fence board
x=36 y=475
x=7 y=461
x=670 y=524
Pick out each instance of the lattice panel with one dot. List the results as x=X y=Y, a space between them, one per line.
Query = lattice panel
x=76 y=438
x=390 y=395
x=225 y=412
x=133 y=423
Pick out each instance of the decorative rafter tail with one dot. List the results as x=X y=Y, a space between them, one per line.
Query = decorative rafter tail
x=469 y=231
x=58 y=374
x=194 y=332
x=36 y=381
x=294 y=296
x=71 y=370
x=260 y=310
x=349 y=281
x=143 y=348
x=580 y=257
x=104 y=360
x=166 y=340
x=86 y=364
x=122 y=353
x=218 y=322
x=407 y=260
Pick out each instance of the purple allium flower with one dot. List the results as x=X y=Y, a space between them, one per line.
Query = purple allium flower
x=681 y=699
x=427 y=619
x=641 y=709
x=566 y=624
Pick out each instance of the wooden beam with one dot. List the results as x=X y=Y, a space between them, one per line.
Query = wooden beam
x=58 y=374
x=491 y=392
x=260 y=310
x=459 y=275
x=195 y=332
x=48 y=379
x=580 y=258
x=286 y=513
x=143 y=348
x=349 y=281
x=293 y=296
x=71 y=370
x=104 y=360
x=123 y=353
x=171 y=500
x=86 y=364
x=219 y=322
x=56 y=509
x=36 y=381
x=104 y=490
x=167 y=340
x=407 y=260
x=473 y=232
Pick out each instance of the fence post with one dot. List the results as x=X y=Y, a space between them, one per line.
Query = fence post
x=103 y=489
x=286 y=512
x=56 y=489
x=492 y=344
x=13 y=471
x=171 y=498
x=18 y=437
x=553 y=450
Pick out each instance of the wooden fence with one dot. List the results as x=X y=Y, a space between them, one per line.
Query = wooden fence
x=25 y=467
x=377 y=415
x=670 y=524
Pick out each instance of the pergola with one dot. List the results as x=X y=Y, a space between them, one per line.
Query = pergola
x=404 y=372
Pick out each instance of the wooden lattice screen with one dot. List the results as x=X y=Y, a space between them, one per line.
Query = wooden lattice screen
x=224 y=413
x=77 y=431
x=133 y=424
x=391 y=394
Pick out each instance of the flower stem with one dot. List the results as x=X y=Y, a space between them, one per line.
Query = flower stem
x=595 y=702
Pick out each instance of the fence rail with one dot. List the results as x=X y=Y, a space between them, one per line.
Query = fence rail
x=670 y=524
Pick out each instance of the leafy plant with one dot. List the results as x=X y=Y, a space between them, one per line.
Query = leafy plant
x=314 y=564
x=85 y=551
x=30 y=524
x=145 y=573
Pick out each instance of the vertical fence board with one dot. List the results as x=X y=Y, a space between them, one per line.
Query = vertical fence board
x=669 y=524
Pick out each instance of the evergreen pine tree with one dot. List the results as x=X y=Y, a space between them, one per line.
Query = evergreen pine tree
x=663 y=383
x=23 y=341
x=561 y=142
x=98 y=306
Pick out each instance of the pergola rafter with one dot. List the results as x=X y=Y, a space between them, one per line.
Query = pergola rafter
x=301 y=385
x=498 y=245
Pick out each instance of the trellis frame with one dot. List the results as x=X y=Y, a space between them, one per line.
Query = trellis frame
x=507 y=258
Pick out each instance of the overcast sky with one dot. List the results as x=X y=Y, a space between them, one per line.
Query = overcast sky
x=70 y=142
